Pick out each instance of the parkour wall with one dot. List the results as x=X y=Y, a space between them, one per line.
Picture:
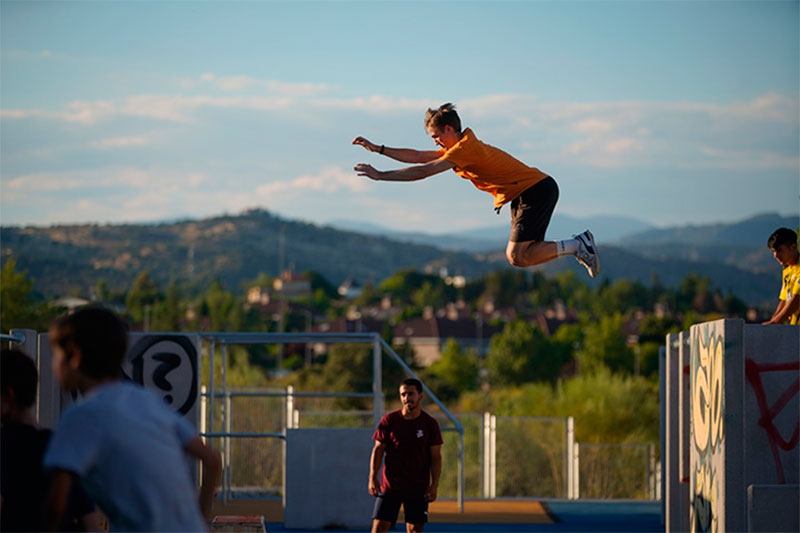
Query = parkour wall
x=731 y=425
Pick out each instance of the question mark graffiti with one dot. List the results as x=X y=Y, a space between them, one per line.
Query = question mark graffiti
x=169 y=362
x=169 y=351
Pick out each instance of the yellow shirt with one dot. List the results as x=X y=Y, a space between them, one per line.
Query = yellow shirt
x=491 y=169
x=791 y=287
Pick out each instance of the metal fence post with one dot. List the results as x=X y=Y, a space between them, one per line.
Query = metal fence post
x=576 y=471
x=569 y=445
x=377 y=381
x=486 y=459
x=289 y=414
x=203 y=411
x=225 y=440
x=489 y=455
x=651 y=472
x=211 y=412
x=460 y=494
x=228 y=454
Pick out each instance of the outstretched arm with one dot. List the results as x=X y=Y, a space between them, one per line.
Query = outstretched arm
x=413 y=173
x=404 y=155
x=212 y=472
x=785 y=309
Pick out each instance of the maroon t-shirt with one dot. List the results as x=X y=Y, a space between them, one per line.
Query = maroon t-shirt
x=407 y=462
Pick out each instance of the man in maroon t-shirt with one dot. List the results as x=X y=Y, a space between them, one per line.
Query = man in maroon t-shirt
x=409 y=444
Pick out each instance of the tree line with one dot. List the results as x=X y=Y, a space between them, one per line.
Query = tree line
x=589 y=364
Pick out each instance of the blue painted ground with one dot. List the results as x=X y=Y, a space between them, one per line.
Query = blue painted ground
x=572 y=517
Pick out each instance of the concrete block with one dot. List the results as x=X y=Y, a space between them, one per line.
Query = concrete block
x=326 y=479
x=773 y=508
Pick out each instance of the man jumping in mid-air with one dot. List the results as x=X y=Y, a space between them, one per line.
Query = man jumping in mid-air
x=532 y=193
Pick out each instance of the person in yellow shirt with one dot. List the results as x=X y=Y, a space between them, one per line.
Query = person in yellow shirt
x=531 y=193
x=783 y=243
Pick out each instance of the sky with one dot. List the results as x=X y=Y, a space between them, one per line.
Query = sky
x=672 y=112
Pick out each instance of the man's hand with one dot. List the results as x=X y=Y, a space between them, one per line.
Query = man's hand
x=430 y=494
x=374 y=487
x=364 y=169
x=370 y=146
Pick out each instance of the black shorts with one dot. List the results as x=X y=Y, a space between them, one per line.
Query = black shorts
x=531 y=211
x=387 y=507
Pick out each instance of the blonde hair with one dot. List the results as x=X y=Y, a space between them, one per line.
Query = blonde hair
x=445 y=115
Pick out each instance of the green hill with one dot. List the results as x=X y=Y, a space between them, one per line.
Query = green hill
x=234 y=249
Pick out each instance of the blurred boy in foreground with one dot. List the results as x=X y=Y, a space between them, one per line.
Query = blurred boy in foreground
x=127 y=447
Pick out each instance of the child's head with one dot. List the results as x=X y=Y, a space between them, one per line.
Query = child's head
x=18 y=381
x=783 y=243
x=445 y=115
x=88 y=343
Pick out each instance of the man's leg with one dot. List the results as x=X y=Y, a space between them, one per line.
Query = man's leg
x=529 y=253
x=385 y=511
x=416 y=511
x=380 y=526
x=530 y=215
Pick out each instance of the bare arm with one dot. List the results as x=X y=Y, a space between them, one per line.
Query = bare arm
x=404 y=155
x=212 y=472
x=375 y=462
x=60 y=485
x=436 y=472
x=413 y=173
x=785 y=309
x=92 y=522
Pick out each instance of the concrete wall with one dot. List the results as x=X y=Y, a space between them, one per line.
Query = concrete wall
x=684 y=431
x=675 y=428
x=716 y=447
x=669 y=442
x=743 y=399
x=326 y=479
x=167 y=364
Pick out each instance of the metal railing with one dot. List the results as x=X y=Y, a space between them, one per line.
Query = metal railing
x=379 y=346
x=504 y=452
x=14 y=338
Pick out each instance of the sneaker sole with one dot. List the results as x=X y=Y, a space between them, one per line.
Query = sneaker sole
x=593 y=246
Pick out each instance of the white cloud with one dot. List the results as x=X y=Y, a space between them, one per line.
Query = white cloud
x=77 y=112
x=603 y=134
x=91 y=180
x=374 y=104
x=244 y=83
x=18 y=113
x=327 y=180
x=179 y=108
x=121 y=142
x=129 y=194
x=594 y=126
x=88 y=112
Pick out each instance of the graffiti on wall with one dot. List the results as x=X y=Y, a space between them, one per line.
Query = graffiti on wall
x=707 y=427
x=167 y=365
x=783 y=404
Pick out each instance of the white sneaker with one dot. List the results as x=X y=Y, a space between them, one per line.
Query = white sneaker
x=587 y=253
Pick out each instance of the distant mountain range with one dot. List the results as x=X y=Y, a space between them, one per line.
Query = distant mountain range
x=234 y=249
x=606 y=229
